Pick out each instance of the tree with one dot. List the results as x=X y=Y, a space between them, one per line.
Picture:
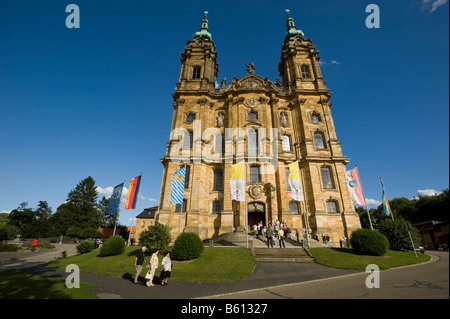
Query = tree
x=156 y=237
x=21 y=217
x=107 y=220
x=397 y=233
x=80 y=210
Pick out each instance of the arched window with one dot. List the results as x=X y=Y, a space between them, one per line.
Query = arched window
x=178 y=206
x=315 y=118
x=252 y=116
x=327 y=179
x=255 y=174
x=306 y=74
x=318 y=141
x=332 y=207
x=286 y=143
x=216 y=207
x=293 y=207
x=190 y=117
x=196 y=72
x=253 y=148
x=218 y=179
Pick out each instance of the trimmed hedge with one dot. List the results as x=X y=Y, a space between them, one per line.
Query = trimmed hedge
x=85 y=247
x=187 y=246
x=369 y=242
x=114 y=245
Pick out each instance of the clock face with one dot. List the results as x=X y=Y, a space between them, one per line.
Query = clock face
x=251 y=101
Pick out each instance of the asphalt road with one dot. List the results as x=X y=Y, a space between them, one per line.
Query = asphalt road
x=424 y=281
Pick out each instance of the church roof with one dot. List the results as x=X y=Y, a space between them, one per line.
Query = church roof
x=148 y=212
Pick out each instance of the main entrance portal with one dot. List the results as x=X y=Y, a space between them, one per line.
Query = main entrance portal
x=256 y=213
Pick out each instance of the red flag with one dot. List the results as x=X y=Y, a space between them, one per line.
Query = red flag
x=133 y=193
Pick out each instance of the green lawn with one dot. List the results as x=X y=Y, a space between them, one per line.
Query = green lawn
x=346 y=258
x=215 y=264
x=16 y=284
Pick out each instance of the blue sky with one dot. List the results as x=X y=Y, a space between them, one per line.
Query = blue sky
x=96 y=101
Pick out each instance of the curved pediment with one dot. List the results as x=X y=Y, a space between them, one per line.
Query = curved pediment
x=252 y=82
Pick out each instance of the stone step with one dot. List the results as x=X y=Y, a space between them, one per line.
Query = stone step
x=282 y=255
x=284 y=260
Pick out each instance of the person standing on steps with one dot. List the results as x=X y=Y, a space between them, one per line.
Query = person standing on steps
x=281 y=237
x=269 y=234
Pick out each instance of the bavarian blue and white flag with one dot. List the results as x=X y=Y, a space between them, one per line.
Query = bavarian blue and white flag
x=178 y=186
x=114 y=201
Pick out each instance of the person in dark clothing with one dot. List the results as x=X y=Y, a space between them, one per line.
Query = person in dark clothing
x=138 y=262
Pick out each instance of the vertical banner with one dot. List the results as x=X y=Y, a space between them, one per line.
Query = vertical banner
x=295 y=182
x=133 y=193
x=114 y=201
x=237 y=182
x=177 y=191
x=354 y=186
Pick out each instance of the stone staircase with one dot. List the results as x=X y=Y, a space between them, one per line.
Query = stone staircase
x=282 y=255
x=293 y=252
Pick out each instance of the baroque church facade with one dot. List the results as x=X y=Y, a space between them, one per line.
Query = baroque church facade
x=266 y=124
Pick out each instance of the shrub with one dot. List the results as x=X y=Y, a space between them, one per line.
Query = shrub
x=7 y=247
x=369 y=242
x=397 y=234
x=156 y=237
x=187 y=246
x=85 y=247
x=114 y=245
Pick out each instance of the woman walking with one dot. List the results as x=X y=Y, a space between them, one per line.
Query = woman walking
x=152 y=265
x=166 y=269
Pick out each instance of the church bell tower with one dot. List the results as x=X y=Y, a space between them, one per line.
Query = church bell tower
x=199 y=67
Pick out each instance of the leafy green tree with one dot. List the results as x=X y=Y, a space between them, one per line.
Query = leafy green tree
x=156 y=237
x=107 y=220
x=397 y=234
x=21 y=217
x=80 y=208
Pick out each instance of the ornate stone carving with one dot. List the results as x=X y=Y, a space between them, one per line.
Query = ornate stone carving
x=283 y=119
x=258 y=207
x=255 y=191
x=250 y=67
x=202 y=101
x=263 y=100
x=220 y=119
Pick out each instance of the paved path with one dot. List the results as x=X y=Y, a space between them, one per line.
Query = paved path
x=428 y=280
x=269 y=281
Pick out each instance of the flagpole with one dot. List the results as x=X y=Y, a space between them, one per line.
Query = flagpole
x=410 y=237
x=134 y=210
x=245 y=204
x=304 y=211
x=365 y=201
x=181 y=213
x=131 y=227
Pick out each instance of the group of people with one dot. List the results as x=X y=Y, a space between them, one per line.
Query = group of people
x=166 y=267
x=271 y=233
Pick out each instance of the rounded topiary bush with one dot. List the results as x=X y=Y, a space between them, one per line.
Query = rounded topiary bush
x=187 y=246
x=369 y=242
x=85 y=247
x=114 y=245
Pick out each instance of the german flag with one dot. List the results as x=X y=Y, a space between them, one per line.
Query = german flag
x=133 y=193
